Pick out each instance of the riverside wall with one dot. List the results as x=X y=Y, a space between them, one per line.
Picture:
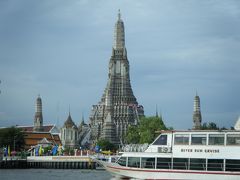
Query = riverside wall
x=48 y=162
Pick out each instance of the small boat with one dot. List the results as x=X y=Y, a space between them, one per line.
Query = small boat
x=184 y=155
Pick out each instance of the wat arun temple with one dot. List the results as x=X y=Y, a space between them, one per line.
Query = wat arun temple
x=118 y=107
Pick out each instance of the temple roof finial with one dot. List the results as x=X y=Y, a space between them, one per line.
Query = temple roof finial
x=82 y=117
x=119 y=14
x=69 y=110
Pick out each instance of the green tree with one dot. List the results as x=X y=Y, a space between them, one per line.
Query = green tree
x=105 y=145
x=132 y=135
x=148 y=127
x=12 y=137
x=209 y=126
x=145 y=131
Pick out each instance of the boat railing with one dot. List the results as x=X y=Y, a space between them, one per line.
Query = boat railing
x=215 y=167
x=232 y=167
x=180 y=165
x=198 y=166
x=149 y=165
x=135 y=147
x=164 y=165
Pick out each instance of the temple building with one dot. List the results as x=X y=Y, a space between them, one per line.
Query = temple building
x=69 y=133
x=197 y=117
x=118 y=107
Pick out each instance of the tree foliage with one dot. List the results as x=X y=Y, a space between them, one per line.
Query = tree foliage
x=211 y=126
x=12 y=137
x=105 y=145
x=145 y=131
x=133 y=135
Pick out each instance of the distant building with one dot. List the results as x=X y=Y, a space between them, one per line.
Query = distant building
x=197 y=117
x=118 y=107
x=69 y=133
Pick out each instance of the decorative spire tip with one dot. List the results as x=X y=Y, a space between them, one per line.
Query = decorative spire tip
x=69 y=110
x=119 y=14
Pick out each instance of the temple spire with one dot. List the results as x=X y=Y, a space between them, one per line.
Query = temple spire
x=69 y=110
x=119 y=35
x=197 y=117
x=82 y=117
x=118 y=107
x=38 y=118
x=119 y=14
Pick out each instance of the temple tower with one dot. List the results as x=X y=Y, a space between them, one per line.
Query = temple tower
x=38 y=118
x=197 y=117
x=118 y=101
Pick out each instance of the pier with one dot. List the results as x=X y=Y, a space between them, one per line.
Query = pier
x=48 y=162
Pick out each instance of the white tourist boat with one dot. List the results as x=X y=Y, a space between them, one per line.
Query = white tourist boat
x=183 y=155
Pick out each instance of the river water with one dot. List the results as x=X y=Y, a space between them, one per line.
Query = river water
x=54 y=174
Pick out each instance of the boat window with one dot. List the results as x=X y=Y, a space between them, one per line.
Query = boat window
x=233 y=139
x=162 y=140
x=232 y=165
x=181 y=139
x=148 y=163
x=216 y=139
x=180 y=163
x=134 y=162
x=164 y=163
x=199 y=139
x=122 y=161
x=198 y=164
x=215 y=165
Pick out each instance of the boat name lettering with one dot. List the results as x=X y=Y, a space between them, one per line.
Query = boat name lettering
x=201 y=150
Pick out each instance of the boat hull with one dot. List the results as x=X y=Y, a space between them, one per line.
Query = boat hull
x=141 y=173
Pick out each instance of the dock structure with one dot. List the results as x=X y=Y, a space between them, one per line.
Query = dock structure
x=13 y=163
x=49 y=162
x=61 y=162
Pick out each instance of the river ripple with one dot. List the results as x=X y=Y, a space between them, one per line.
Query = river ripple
x=53 y=174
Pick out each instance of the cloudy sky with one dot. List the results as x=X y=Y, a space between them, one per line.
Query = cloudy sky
x=60 y=49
